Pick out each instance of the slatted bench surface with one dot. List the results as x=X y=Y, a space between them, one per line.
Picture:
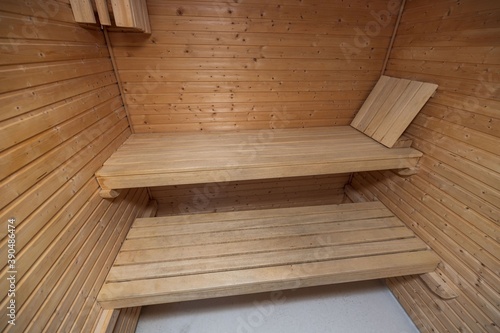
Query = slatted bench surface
x=187 y=158
x=178 y=258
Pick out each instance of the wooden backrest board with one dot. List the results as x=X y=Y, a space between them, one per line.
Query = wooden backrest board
x=391 y=107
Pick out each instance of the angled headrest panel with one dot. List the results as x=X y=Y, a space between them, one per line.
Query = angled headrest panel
x=391 y=107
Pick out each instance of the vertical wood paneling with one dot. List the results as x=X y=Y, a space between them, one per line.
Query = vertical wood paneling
x=61 y=118
x=453 y=202
x=212 y=65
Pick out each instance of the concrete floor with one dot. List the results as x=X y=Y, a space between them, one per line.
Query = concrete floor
x=362 y=307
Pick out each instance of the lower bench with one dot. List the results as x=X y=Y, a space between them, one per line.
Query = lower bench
x=179 y=258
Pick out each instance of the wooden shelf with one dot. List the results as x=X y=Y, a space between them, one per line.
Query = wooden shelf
x=188 y=158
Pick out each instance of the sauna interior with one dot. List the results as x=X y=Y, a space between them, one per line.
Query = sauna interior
x=81 y=80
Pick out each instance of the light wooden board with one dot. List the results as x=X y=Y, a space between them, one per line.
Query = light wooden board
x=103 y=11
x=188 y=158
x=131 y=14
x=83 y=11
x=390 y=108
x=220 y=254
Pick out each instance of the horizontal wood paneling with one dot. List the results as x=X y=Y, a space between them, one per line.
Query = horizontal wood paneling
x=262 y=194
x=453 y=202
x=15 y=27
x=253 y=55
x=27 y=52
x=62 y=117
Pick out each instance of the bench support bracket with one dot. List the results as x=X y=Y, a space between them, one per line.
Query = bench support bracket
x=406 y=172
x=109 y=194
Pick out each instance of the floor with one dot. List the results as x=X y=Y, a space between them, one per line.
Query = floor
x=361 y=307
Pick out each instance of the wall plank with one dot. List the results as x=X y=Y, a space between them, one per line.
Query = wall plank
x=453 y=202
x=62 y=117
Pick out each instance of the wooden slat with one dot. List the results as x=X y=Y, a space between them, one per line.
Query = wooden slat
x=390 y=108
x=283 y=11
x=241 y=261
x=103 y=11
x=262 y=24
x=364 y=115
x=261 y=251
x=392 y=101
x=122 y=12
x=173 y=75
x=261 y=63
x=83 y=11
x=127 y=321
x=107 y=320
x=131 y=14
x=238 y=51
x=134 y=253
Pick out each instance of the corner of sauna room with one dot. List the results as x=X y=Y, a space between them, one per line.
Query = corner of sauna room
x=133 y=126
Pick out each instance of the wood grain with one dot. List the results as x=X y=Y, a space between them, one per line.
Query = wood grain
x=61 y=117
x=391 y=107
x=261 y=250
x=285 y=52
x=452 y=203
x=189 y=158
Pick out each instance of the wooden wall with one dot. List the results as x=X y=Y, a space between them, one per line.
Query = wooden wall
x=247 y=195
x=61 y=117
x=253 y=64
x=454 y=201
x=248 y=64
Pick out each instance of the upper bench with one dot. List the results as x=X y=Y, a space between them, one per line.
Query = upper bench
x=146 y=160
